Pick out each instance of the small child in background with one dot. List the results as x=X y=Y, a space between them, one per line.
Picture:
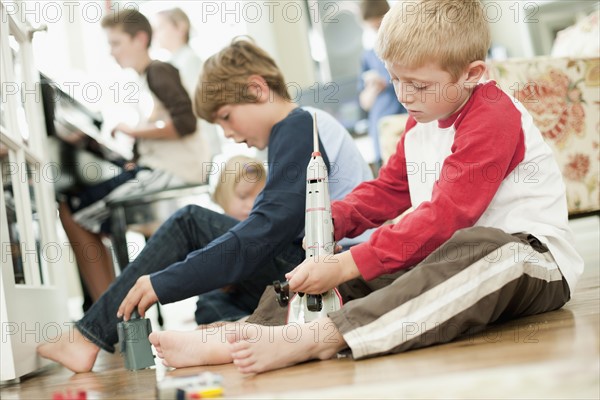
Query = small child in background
x=240 y=181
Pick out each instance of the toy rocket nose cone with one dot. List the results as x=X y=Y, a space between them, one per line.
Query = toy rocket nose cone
x=316 y=154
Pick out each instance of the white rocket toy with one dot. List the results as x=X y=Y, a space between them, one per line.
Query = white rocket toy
x=318 y=241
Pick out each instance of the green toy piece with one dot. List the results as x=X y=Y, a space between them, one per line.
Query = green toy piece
x=135 y=346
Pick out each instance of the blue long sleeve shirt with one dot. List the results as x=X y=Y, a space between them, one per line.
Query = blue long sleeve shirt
x=276 y=220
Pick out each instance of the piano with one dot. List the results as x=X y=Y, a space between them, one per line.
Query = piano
x=81 y=149
x=77 y=144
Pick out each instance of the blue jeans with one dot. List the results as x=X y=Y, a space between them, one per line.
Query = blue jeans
x=190 y=228
x=219 y=305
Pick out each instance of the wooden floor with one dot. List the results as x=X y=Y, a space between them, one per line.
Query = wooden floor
x=552 y=355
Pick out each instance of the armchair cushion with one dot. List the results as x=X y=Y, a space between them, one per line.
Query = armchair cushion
x=562 y=95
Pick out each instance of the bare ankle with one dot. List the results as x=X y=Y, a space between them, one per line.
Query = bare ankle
x=73 y=350
x=82 y=340
x=329 y=341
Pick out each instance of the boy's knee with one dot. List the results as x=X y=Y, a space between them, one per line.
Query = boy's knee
x=188 y=210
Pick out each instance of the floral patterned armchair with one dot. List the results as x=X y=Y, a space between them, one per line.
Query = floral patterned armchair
x=563 y=96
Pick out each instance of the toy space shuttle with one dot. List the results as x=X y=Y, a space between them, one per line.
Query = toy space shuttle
x=318 y=240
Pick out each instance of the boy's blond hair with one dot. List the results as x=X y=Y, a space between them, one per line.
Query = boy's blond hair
x=451 y=33
x=178 y=18
x=235 y=170
x=129 y=21
x=225 y=75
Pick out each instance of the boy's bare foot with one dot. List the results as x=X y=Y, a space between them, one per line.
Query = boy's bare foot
x=73 y=350
x=264 y=348
x=189 y=349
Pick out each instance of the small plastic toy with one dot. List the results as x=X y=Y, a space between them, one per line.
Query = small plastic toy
x=135 y=346
x=319 y=243
x=206 y=385
x=200 y=392
x=68 y=395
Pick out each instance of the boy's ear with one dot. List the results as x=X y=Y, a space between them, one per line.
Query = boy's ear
x=475 y=71
x=258 y=88
x=142 y=37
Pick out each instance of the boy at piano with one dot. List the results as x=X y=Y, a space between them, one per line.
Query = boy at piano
x=169 y=148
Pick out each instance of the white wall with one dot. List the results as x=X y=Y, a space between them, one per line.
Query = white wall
x=528 y=28
x=285 y=37
x=508 y=26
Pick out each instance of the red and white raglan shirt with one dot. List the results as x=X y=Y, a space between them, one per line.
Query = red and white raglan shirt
x=486 y=165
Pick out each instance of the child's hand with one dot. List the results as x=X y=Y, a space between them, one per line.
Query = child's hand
x=315 y=277
x=128 y=166
x=142 y=295
x=123 y=128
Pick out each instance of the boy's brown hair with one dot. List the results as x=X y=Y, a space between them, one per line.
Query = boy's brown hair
x=129 y=21
x=451 y=33
x=225 y=75
x=373 y=9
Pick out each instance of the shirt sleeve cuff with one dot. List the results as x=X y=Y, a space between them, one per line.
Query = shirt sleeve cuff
x=367 y=262
x=159 y=289
x=339 y=222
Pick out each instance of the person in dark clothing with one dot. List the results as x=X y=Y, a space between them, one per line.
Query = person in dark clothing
x=376 y=92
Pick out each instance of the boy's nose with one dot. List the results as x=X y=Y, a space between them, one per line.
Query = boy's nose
x=228 y=133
